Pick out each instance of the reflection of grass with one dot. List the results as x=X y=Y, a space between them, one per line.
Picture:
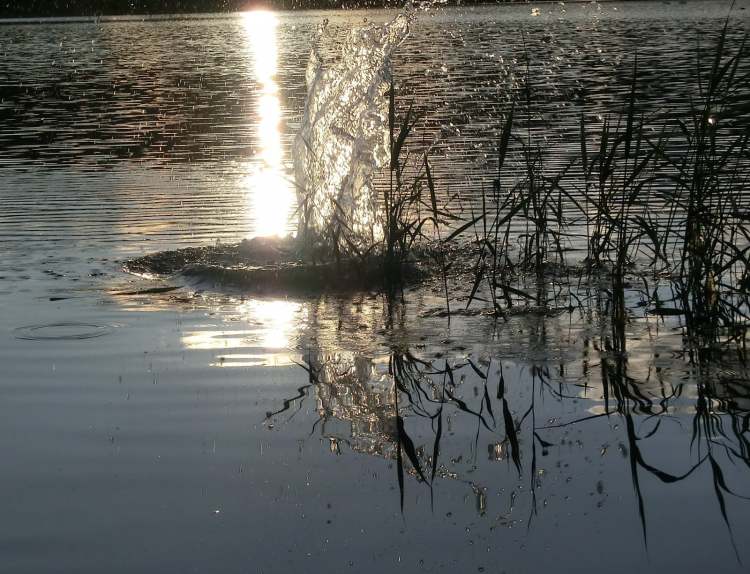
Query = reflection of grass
x=401 y=413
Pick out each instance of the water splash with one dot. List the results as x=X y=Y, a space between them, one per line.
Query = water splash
x=344 y=139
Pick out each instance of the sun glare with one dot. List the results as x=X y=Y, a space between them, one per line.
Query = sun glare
x=261 y=333
x=270 y=193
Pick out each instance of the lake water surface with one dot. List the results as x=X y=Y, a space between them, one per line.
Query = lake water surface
x=194 y=430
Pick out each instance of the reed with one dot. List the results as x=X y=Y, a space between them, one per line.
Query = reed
x=708 y=185
x=695 y=169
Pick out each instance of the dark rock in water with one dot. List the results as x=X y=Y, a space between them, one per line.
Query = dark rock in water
x=268 y=265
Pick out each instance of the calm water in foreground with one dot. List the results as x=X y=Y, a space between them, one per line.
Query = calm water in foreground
x=195 y=430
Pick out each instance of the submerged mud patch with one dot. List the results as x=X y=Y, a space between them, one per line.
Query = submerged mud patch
x=272 y=265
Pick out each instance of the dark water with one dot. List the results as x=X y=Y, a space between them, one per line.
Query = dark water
x=190 y=430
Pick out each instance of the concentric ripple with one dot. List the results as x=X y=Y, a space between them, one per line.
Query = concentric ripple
x=63 y=331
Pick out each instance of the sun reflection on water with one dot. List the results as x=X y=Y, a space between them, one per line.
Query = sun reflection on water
x=264 y=334
x=270 y=192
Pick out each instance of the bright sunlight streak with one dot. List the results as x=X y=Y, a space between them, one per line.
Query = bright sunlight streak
x=260 y=333
x=270 y=193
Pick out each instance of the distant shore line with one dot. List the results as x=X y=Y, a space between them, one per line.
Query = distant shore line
x=83 y=11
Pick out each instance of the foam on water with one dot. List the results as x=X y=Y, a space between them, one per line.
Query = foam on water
x=344 y=137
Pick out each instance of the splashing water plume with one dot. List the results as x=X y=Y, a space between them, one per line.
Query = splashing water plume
x=344 y=139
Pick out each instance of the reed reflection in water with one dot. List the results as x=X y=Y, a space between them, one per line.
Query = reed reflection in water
x=270 y=192
x=551 y=422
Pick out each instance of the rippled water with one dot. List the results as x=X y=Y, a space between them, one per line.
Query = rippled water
x=148 y=428
x=167 y=127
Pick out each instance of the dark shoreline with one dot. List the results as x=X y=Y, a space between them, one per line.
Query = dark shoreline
x=87 y=10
